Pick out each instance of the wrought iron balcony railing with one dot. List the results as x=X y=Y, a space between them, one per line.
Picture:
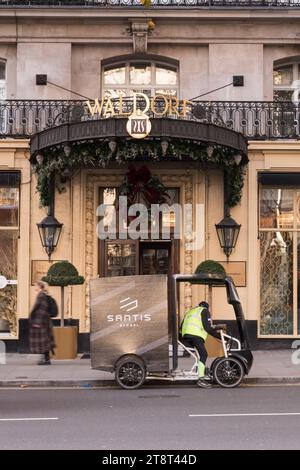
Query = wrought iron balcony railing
x=257 y=120
x=155 y=3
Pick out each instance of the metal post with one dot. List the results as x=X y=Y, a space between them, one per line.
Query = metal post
x=210 y=296
x=62 y=318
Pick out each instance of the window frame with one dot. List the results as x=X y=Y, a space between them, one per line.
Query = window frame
x=296 y=76
x=153 y=86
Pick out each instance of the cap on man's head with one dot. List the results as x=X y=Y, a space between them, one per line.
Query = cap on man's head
x=204 y=304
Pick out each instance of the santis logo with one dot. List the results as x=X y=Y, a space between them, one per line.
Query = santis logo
x=131 y=304
x=128 y=320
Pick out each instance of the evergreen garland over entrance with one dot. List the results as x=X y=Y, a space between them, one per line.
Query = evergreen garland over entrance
x=100 y=154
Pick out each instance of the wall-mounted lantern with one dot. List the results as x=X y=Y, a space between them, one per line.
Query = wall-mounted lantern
x=228 y=231
x=49 y=230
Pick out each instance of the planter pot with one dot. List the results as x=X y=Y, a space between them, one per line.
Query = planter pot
x=4 y=326
x=66 y=342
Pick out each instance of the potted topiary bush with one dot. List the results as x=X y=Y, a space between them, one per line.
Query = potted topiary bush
x=210 y=267
x=63 y=274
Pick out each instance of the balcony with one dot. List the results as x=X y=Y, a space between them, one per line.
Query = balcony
x=257 y=120
x=155 y=4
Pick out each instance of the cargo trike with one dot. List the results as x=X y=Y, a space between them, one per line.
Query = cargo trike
x=134 y=331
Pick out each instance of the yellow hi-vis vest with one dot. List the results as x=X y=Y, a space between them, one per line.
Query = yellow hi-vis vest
x=192 y=323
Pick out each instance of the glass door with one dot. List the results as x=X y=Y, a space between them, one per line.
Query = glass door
x=121 y=258
x=155 y=258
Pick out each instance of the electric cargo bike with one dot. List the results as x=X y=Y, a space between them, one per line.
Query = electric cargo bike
x=135 y=333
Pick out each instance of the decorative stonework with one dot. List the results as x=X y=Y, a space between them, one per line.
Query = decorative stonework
x=93 y=181
x=139 y=31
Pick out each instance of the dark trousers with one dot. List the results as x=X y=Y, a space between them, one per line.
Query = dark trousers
x=197 y=343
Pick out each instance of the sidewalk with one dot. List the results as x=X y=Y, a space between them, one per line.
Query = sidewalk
x=21 y=371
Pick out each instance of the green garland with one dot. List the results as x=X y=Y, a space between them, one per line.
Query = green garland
x=99 y=155
x=236 y=175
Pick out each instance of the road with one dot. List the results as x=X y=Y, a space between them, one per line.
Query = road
x=151 y=418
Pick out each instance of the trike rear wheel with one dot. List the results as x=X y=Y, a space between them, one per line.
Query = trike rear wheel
x=130 y=372
x=228 y=372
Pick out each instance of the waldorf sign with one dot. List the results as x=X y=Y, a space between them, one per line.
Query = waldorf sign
x=139 y=124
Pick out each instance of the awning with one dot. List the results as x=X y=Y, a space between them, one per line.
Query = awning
x=279 y=179
x=110 y=128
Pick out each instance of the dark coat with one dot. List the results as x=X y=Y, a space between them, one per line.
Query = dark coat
x=41 y=337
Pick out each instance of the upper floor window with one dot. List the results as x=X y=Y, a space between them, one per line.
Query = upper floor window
x=2 y=79
x=284 y=78
x=140 y=76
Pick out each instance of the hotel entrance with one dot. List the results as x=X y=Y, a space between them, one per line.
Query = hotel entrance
x=123 y=258
x=144 y=255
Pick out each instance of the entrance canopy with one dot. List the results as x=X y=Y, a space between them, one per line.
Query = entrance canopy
x=97 y=130
x=97 y=134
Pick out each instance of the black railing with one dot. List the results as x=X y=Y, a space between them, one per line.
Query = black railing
x=155 y=3
x=257 y=120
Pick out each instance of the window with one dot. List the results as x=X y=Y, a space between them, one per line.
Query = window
x=279 y=226
x=149 y=77
x=9 y=207
x=284 y=116
x=9 y=231
x=115 y=76
x=283 y=78
x=121 y=259
x=2 y=80
x=140 y=74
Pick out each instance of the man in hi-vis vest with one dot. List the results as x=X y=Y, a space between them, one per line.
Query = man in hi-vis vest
x=196 y=326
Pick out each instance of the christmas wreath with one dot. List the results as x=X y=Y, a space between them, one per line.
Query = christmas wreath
x=139 y=185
